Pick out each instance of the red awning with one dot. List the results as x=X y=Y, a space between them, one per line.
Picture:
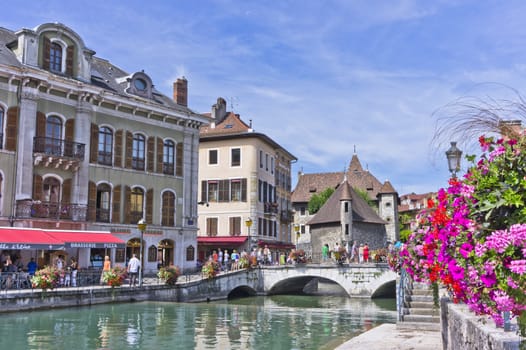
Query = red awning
x=28 y=238
x=276 y=245
x=221 y=240
x=87 y=239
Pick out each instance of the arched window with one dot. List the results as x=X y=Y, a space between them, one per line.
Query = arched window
x=105 y=146
x=53 y=135
x=103 y=203
x=168 y=211
x=51 y=195
x=138 y=152
x=136 y=204
x=168 y=157
x=55 y=57
x=190 y=253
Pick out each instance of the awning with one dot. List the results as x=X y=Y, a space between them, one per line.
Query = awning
x=87 y=239
x=28 y=238
x=221 y=240
x=276 y=245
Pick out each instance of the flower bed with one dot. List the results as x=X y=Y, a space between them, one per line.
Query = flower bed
x=169 y=274
x=115 y=277
x=46 y=278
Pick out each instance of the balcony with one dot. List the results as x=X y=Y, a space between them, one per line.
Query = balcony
x=287 y=216
x=57 y=153
x=50 y=210
x=270 y=208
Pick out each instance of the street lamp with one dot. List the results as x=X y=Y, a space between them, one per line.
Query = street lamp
x=454 y=156
x=248 y=222
x=297 y=230
x=141 y=225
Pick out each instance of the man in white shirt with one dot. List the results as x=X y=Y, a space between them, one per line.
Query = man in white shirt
x=133 y=269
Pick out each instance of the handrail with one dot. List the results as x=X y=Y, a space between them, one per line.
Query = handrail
x=400 y=294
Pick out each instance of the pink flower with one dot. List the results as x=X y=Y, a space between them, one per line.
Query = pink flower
x=518 y=266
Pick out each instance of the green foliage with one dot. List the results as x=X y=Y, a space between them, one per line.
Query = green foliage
x=404 y=235
x=365 y=197
x=318 y=200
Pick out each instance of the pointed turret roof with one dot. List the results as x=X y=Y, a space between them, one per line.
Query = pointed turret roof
x=330 y=211
x=387 y=188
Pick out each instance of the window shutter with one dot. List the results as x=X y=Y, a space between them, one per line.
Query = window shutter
x=204 y=192
x=68 y=138
x=92 y=201
x=45 y=54
x=66 y=191
x=160 y=150
x=129 y=150
x=116 y=213
x=118 y=148
x=179 y=159
x=151 y=155
x=149 y=206
x=243 y=190
x=11 y=129
x=231 y=226
x=41 y=125
x=127 y=207
x=94 y=143
x=37 y=187
x=70 y=53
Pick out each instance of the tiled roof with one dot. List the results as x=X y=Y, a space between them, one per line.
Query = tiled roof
x=387 y=188
x=232 y=124
x=330 y=211
x=309 y=184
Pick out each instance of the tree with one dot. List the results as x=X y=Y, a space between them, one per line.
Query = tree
x=318 y=200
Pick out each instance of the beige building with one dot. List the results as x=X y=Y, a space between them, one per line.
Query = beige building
x=244 y=187
x=87 y=146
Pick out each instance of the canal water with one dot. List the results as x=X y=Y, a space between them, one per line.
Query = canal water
x=273 y=322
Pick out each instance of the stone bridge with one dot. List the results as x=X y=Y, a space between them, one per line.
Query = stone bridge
x=358 y=280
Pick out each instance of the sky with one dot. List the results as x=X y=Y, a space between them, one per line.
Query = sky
x=324 y=79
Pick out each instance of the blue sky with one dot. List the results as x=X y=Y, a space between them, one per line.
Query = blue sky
x=318 y=77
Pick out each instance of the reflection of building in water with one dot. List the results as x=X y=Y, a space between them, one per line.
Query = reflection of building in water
x=104 y=335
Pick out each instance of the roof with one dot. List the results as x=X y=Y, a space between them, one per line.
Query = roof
x=6 y=55
x=361 y=211
x=309 y=184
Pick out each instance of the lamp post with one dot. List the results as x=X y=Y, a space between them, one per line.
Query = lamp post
x=297 y=230
x=141 y=225
x=248 y=222
x=454 y=156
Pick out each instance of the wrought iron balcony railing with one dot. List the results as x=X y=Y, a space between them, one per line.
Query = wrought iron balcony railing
x=58 y=148
x=51 y=210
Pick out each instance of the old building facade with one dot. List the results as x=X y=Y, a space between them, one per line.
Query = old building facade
x=245 y=183
x=88 y=146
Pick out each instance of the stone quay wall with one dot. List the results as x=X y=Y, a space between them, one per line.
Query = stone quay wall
x=463 y=330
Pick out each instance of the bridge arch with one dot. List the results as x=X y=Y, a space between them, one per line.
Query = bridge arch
x=242 y=291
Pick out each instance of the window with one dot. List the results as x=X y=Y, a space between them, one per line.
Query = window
x=213 y=191
x=236 y=157
x=168 y=157
x=302 y=211
x=272 y=165
x=346 y=207
x=105 y=146
x=53 y=135
x=235 y=190
x=50 y=198
x=347 y=229
x=190 y=253
x=235 y=226
x=212 y=157
x=261 y=159
x=55 y=57
x=152 y=253
x=168 y=211
x=138 y=152
x=266 y=162
x=136 y=204
x=103 y=203
x=211 y=226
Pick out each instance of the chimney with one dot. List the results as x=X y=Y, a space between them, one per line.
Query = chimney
x=181 y=92
x=218 y=111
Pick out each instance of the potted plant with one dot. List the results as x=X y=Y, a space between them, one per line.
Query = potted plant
x=46 y=278
x=210 y=269
x=169 y=274
x=115 y=277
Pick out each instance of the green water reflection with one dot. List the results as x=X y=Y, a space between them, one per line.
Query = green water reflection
x=276 y=322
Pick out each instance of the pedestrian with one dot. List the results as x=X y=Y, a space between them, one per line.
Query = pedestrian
x=105 y=269
x=32 y=267
x=220 y=258
x=133 y=269
x=360 y=253
x=325 y=252
x=226 y=260
x=266 y=255
x=74 y=266
x=215 y=256
x=366 y=253
x=352 y=252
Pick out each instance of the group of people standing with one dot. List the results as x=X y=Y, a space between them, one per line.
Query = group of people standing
x=355 y=253
x=230 y=261
x=68 y=272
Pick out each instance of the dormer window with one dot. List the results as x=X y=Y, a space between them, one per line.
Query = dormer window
x=139 y=84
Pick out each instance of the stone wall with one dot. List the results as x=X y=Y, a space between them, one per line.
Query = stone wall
x=463 y=330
